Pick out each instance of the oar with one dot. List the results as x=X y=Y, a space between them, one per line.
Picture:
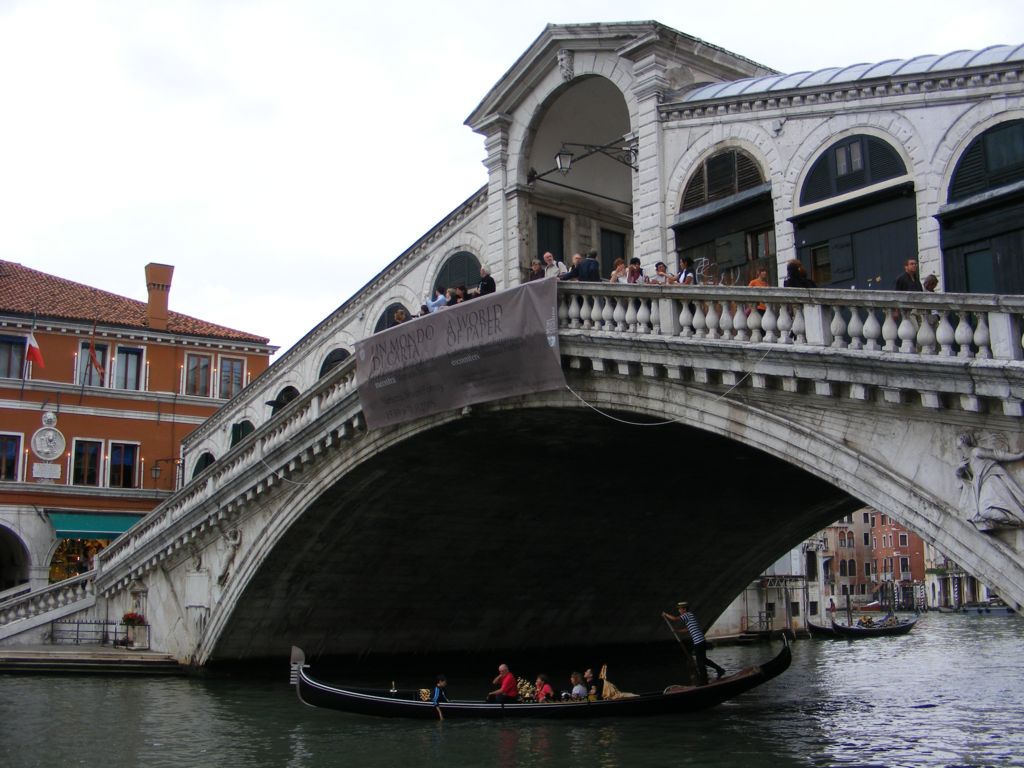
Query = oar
x=691 y=665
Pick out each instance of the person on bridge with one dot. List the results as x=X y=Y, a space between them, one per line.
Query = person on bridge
x=796 y=276
x=686 y=274
x=507 y=692
x=909 y=280
x=487 y=284
x=692 y=626
x=586 y=270
x=553 y=268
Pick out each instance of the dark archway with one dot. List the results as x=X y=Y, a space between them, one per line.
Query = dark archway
x=284 y=397
x=861 y=241
x=335 y=358
x=205 y=460
x=726 y=222
x=240 y=431
x=13 y=560
x=462 y=268
x=394 y=315
x=982 y=231
x=593 y=556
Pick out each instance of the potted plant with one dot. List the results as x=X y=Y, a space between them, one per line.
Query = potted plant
x=131 y=620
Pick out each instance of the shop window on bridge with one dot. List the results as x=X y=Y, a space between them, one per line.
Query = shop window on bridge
x=396 y=314
x=12 y=357
x=10 y=452
x=462 y=268
x=982 y=226
x=726 y=221
x=857 y=241
x=86 y=456
x=74 y=556
x=123 y=469
x=333 y=360
x=204 y=460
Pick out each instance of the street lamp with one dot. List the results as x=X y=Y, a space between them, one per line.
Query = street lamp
x=154 y=471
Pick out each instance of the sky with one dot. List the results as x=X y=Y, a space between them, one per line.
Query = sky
x=280 y=154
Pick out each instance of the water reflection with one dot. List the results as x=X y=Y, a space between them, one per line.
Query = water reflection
x=951 y=693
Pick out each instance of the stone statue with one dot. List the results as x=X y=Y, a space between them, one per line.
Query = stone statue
x=990 y=496
x=566 y=64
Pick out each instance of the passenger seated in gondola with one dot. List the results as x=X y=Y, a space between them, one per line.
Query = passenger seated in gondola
x=507 y=691
x=579 y=690
x=595 y=685
x=543 y=690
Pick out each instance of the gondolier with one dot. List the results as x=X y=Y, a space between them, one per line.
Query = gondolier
x=689 y=621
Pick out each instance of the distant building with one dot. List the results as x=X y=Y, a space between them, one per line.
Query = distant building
x=92 y=414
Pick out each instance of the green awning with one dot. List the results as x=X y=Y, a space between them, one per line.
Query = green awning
x=91 y=525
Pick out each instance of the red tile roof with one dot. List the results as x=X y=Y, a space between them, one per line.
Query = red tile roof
x=26 y=291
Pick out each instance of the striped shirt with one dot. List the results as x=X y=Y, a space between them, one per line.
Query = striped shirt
x=693 y=627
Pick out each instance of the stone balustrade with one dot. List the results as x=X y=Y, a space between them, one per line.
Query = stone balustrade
x=48 y=599
x=966 y=326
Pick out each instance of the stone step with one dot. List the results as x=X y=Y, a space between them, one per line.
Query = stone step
x=86 y=660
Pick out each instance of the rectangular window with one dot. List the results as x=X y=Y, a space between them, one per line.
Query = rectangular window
x=197 y=375
x=123 y=460
x=128 y=368
x=874 y=542
x=10 y=451
x=867 y=517
x=885 y=519
x=232 y=371
x=550 y=237
x=92 y=364
x=613 y=246
x=867 y=539
x=904 y=540
x=905 y=567
x=12 y=357
x=794 y=609
x=872 y=521
x=863 y=589
x=812 y=608
x=821 y=265
x=769 y=609
x=85 y=462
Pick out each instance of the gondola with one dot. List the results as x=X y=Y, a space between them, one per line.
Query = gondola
x=817 y=630
x=854 y=632
x=407 y=703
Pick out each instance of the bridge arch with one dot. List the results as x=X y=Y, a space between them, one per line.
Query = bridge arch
x=14 y=559
x=338 y=494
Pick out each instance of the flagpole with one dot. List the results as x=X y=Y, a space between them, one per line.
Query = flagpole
x=24 y=366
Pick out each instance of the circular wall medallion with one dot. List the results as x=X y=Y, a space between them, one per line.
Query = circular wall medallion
x=48 y=443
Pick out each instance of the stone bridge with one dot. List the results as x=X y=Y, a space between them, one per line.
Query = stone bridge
x=703 y=432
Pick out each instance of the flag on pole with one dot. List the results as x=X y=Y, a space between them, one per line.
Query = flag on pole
x=33 y=354
x=93 y=359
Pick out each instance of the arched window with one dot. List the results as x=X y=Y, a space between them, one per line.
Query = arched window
x=462 y=268
x=852 y=568
x=333 y=360
x=722 y=175
x=394 y=315
x=993 y=159
x=849 y=164
x=842 y=567
x=240 y=430
x=284 y=397
x=203 y=462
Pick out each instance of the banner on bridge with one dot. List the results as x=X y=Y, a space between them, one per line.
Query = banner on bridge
x=501 y=345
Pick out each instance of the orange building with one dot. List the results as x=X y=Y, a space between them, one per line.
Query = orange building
x=92 y=413
x=897 y=559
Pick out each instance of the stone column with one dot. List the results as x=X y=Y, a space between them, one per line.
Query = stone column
x=502 y=214
x=650 y=230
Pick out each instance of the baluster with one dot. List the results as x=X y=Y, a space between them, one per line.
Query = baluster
x=799 y=325
x=982 y=339
x=890 y=331
x=631 y=315
x=907 y=333
x=585 y=306
x=608 y=313
x=838 y=328
x=620 y=313
x=643 y=316
x=563 y=310
x=785 y=324
x=739 y=322
x=725 y=321
x=926 y=335
x=656 y=317
x=700 y=320
x=574 y=311
x=754 y=321
x=945 y=335
x=685 y=320
x=770 y=323
x=855 y=328
x=964 y=336
x=597 y=313
x=872 y=331
x=712 y=320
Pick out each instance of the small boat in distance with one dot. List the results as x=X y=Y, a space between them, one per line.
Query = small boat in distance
x=887 y=627
x=408 y=703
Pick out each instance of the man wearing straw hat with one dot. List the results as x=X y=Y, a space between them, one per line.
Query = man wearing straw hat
x=692 y=626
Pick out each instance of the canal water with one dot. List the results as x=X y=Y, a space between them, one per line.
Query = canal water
x=949 y=694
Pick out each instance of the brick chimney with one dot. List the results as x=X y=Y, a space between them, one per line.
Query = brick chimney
x=158 y=282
